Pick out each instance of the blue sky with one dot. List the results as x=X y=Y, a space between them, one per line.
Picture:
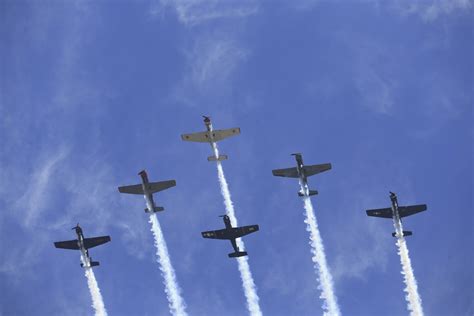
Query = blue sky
x=93 y=92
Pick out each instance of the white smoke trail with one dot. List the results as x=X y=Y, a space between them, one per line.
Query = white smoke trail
x=97 y=301
x=330 y=305
x=412 y=297
x=172 y=289
x=250 y=289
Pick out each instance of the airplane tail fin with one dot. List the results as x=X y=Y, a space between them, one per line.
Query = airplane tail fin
x=405 y=233
x=237 y=254
x=92 y=264
x=214 y=158
x=311 y=192
x=156 y=209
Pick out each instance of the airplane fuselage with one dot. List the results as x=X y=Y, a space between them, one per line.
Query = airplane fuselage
x=300 y=165
x=207 y=122
x=82 y=248
x=394 y=200
x=227 y=223
x=209 y=128
x=150 y=202
x=300 y=168
x=233 y=235
x=397 y=220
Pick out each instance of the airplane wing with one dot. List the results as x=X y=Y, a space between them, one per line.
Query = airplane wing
x=95 y=241
x=132 y=189
x=244 y=230
x=202 y=137
x=205 y=137
x=381 y=212
x=289 y=173
x=69 y=244
x=315 y=169
x=404 y=211
x=221 y=134
x=217 y=234
x=160 y=186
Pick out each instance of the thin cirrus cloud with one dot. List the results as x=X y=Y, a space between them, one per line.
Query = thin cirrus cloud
x=37 y=194
x=195 y=12
x=430 y=11
x=212 y=57
x=211 y=63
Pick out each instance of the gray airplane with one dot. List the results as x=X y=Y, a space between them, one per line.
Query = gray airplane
x=231 y=233
x=147 y=189
x=397 y=212
x=302 y=172
x=83 y=244
x=211 y=136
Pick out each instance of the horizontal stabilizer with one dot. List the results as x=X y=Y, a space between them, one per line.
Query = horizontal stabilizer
x=156 y=209
x=405 y=233
x=213 y=158
x=92 y=264
x=311 y=192
x=237 y=254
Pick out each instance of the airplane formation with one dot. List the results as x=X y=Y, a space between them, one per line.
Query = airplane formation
x=211 y=136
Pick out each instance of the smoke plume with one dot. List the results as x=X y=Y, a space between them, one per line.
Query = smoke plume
x=412 y=297
x=250 y=289
x=97 y=301
x=172 y=289
x=326 y=286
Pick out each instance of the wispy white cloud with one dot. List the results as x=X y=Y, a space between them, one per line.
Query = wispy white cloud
x=211 y=63
x=213 y=55
x=375 y=90
x=35 y=197
x=52 y=185
x=195 y=12
x=372 y=76
x=356 y=263
x=214 y=60
x=431 y=10
x=17 y=262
